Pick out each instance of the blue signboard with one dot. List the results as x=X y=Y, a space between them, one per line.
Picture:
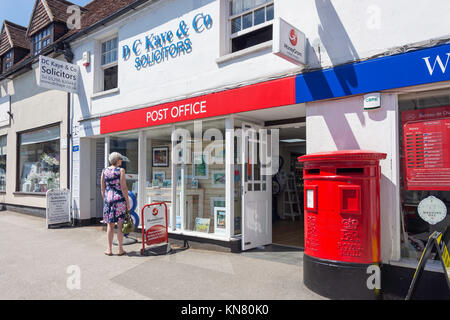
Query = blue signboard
x=76 y=148
x=402 y=70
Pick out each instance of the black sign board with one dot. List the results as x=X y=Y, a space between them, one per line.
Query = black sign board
x=436 y=241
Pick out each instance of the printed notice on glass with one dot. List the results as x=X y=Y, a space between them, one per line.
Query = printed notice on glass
x=426 y=143
x=58 y=207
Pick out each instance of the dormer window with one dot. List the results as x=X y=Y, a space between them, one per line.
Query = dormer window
x=41 y=40
x=8 y=60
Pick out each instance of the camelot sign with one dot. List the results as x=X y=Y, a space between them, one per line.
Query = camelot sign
x=57 y=75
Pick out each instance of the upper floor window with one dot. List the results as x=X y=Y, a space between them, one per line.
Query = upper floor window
x=41 y=40
x=109 y=64
x=8 y=60
x=251 y=22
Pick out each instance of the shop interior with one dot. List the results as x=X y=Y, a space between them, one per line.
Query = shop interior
x=287 y=189
x=287 y=184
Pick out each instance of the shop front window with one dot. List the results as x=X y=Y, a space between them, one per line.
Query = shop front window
x=424 y=124
x=3 y=163
x=201 y=174
x=128 y=148
x=39 y=160
x=159 y=180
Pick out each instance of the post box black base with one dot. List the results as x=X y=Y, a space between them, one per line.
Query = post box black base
x=337 y=280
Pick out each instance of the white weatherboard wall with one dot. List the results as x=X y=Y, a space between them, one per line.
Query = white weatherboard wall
x=344 y=125
x=339 y=31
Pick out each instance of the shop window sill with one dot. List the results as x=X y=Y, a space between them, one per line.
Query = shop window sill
x=199 y=235
x=36 y=194
x=242 y=53
x=105 y=93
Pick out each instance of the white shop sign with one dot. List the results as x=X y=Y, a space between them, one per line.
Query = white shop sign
x=57 y=75
x=58 y=207
x=289 y=42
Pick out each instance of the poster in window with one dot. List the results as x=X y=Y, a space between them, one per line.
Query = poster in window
x=161 y=157
x=199 y=166
x=218 y=178
x=219 y=220
x=159 y=177
x=426 y=143
x=202 y=225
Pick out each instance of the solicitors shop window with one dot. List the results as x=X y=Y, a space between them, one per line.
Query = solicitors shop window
x=41 y=40
x=3 y=163
x=39 y=160
x=109 y=64
x=251 y=23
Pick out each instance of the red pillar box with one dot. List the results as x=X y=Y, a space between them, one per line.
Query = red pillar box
x=342 y=222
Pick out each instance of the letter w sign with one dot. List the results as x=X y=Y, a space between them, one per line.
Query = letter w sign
x=438 y=61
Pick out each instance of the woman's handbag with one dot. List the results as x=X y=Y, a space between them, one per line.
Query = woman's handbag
x=128 y=224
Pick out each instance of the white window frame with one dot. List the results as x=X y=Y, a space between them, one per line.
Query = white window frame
x=252 y=11
x=48 y=31
x=103 y=67
x=241 y=14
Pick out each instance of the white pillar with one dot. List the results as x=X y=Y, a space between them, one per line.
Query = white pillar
x=107 y=148
x=142 y=171
x=182 y=195
x=173 y=210
x=229 y=177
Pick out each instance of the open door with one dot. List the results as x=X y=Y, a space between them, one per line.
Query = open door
x=256 y=189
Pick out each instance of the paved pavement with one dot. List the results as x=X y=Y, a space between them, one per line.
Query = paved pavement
x=36 y=263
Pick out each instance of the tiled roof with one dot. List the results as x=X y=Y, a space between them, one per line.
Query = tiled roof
x=100 y=9
x=47 y=11
x=12 y=35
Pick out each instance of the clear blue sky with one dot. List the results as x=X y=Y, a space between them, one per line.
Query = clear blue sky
x=19 y=11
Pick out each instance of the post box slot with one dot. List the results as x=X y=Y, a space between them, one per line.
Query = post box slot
x=349 y=171
x=313 y=171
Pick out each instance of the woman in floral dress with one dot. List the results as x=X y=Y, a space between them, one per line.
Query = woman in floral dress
x=115 y=200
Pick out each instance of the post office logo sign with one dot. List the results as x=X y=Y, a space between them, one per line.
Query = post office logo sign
x=432 y=210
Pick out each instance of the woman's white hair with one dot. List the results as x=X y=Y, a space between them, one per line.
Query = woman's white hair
x=114 y=158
